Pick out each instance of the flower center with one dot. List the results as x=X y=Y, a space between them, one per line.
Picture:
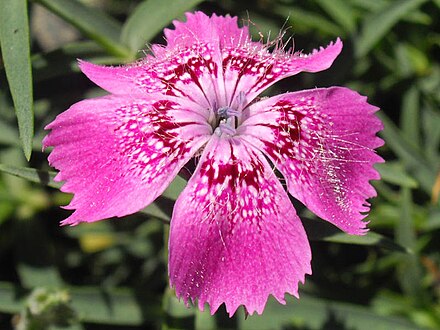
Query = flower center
x=227 y=121
x=228 y=117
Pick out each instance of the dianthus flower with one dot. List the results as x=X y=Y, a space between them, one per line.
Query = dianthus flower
x=235 y=237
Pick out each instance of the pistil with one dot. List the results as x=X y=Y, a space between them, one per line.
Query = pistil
x=227 y=121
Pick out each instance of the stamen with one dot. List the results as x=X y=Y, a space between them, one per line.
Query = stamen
x=229 y=116
x=241 y=98
x=226 y=126
x=226 y=112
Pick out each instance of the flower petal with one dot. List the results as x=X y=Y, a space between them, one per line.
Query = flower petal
x=323 y=143
x=200 y=28
x=251 y=69
x=190 y=73
x=235 y=237
x=189 y=66
x=248 y=66
x=118 y=154
x=211 y=61
x=120 y=80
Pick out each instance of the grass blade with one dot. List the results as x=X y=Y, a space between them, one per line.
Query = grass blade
x=31 y=174
x=341 y=12
x=92 y=23
x=408 y=153
x=410 y=121
x=318 y=230
x=377 y=24
x=305 y=21
x=149 y=18
x=315 y=313
x=409 y=271
x=14 y=38
x=394 y=173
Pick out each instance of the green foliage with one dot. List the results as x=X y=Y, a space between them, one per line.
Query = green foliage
x=14 y=38
x=112 y=274
x=91 y=22
x=137 y=31
x=379 y=22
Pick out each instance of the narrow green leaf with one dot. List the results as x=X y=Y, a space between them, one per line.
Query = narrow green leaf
x=419 y=60
x=431 y=123
x=394 y=173
x=149 y=18
x=340 y=11
x=403 y=67
x=304 y=21
x=175 y=188
x=205 y=321
x=371 y=238
x=31 y=174
x=430 y=83
x=91 y=22
x=409 y=271
x=163 y=206
x=410 y=121
x=155 y=211
x=314 y=313
x=410 y=154
x=433 y=220
x=377 y=24
x=323 y=231
x=14 y=39
x=369 y=5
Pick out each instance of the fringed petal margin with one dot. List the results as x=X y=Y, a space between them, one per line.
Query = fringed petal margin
x=118 y=154
x=323 y=142
x=235 y=237
x=210 y=61
x=251 y=69
x=200 y=28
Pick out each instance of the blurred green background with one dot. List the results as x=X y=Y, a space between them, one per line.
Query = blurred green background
x=113 y=274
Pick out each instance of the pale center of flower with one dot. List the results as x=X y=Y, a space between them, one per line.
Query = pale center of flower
x=227 y=121
x=228 y=117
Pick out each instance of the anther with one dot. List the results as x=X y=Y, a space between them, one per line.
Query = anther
x=226 y=126
x=226 y=112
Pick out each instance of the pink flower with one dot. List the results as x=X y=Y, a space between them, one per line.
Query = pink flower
x=235 y=237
